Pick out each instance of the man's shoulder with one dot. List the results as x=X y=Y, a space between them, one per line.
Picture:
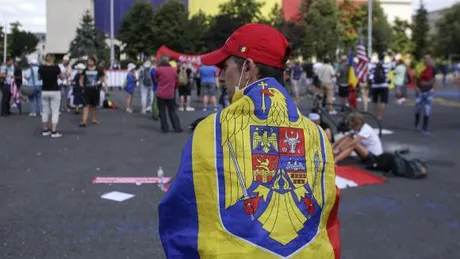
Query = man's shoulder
x=206 y=125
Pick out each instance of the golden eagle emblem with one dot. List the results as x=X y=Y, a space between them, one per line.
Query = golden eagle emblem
x=265 y=141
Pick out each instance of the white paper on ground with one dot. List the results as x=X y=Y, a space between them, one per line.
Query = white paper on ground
x=117 y=196
x=343 y=183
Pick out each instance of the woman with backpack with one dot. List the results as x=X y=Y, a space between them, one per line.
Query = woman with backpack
x=185 y=88
x=146 y=84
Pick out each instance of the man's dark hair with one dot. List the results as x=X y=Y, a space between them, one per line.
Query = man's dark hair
x=9 y=58
x=381 y=56
x=264 y=70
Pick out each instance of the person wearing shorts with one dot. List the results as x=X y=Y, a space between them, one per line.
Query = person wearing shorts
x=208 y=75
x=379 y=89
x=91 y=81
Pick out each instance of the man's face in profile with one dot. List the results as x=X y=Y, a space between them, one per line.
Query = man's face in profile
x=229 y=76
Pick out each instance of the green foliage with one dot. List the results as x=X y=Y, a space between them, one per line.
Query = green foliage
x=245 y=11
x=448 y=33
x=137 y=30
x=401 y=42
x=321 y=29
x=19 y=41
x=169 y=24
x=195 y=31
x=382 y=34
x=420 y=32
x=350 y=24
x=220 y=28
x=88 y=41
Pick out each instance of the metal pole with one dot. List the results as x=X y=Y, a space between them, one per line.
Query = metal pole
x=369 y=29
x=112 y=32
x=5 y=40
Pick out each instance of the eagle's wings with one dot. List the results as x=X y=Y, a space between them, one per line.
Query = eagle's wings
x=235 y=120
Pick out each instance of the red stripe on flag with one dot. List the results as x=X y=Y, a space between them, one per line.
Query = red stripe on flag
x=358 y=175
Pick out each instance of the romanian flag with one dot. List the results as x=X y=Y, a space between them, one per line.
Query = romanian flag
x=352 y=78
x=256 y=180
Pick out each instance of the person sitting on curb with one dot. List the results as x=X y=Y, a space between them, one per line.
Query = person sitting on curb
x=363 y=140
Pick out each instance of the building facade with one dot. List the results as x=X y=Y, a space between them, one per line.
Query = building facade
x=61 y=25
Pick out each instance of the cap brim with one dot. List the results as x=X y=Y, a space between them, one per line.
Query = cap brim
x=214 y=58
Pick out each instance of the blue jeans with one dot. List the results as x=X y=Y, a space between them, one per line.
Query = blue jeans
x=36 y=101
x=423 y=101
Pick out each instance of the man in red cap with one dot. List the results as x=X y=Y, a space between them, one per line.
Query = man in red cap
x=256 y=179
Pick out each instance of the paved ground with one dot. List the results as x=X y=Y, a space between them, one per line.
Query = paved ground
x=50 y=209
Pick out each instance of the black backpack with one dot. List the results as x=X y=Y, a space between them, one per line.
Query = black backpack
x=146 y=78
x=399 y=165
x=379 y=74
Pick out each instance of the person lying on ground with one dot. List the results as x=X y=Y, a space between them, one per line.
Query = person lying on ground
x=363 y=140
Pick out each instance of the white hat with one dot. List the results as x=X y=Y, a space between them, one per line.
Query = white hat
x=131 y=66
x=314 y=116
x=65 y=58
x=80 y=66
x=33 y=62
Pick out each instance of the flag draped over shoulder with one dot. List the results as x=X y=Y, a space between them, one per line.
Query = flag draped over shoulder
x=352 y=78
x=256 y=180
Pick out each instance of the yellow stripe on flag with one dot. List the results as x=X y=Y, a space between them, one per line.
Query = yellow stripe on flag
x=352 y=79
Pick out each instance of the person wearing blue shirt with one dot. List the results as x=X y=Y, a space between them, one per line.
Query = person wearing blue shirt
x=31 y=75
x=130 y=86
x=208 y=75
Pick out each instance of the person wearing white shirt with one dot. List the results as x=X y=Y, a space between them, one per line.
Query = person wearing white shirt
x=65 y=83
x=363 y=140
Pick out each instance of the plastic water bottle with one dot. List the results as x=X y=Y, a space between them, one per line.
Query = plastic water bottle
x=160 y=175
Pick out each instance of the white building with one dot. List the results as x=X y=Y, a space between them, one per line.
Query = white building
x=62 y=19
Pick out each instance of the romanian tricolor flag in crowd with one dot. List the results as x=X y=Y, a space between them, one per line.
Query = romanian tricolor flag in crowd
x=352 y=78
x=256 y=180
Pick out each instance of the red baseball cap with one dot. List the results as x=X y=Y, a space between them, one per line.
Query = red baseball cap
x=259 y=42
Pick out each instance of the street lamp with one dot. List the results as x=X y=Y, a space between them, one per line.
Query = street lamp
x=112 y=32
x=5 y=40
x=369 y=29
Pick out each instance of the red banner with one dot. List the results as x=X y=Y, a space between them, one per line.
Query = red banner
x=163 y=50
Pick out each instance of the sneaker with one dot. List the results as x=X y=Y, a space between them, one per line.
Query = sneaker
x=56 y=135
x=204 y=109
x=189 y=109
x=32 y=114
x=46 y=133
x=215 y=109
x=334 y=112
x=181 y=109
x=426 y=132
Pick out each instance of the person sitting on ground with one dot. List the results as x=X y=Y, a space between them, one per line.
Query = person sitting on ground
x=363 y=140
x=316 y=118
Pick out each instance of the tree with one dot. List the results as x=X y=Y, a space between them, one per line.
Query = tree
x=195 y=32
x=321 y=29
x=382 y=33
x=401 y=42
x=88 y=40
x=2 y=38
x=137 y=30
x=420 y=32
x=448 y=33
x=20 y=42
x=350 y=23
x=169 y=23
x=220 y=28
x=293 y=30
x=244 y=11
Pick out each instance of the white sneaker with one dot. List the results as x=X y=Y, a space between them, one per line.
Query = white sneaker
x=181 y=109
x=215 y=109
x=334 y=112
x=189 y=109
x=56 y=135
x=32 y=114
x=46 y=133
x=204 y=109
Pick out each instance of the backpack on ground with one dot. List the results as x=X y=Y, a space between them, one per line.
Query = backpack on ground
x=399 y=165
x=379 y=74
x=183 y=78
x=146 y=78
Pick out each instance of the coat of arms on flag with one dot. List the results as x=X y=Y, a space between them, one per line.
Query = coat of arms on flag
x=273 y=183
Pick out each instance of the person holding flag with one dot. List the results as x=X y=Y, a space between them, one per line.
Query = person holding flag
x=257 y=179
x=352 y=82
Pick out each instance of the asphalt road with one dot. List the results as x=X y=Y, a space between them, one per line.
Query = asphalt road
x=50 y=209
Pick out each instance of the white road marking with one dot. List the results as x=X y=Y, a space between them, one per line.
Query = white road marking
x=117 y=196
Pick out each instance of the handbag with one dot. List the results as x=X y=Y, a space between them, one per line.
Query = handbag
x=29 y=90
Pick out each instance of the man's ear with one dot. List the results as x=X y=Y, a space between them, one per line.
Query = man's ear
x=251 y=69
